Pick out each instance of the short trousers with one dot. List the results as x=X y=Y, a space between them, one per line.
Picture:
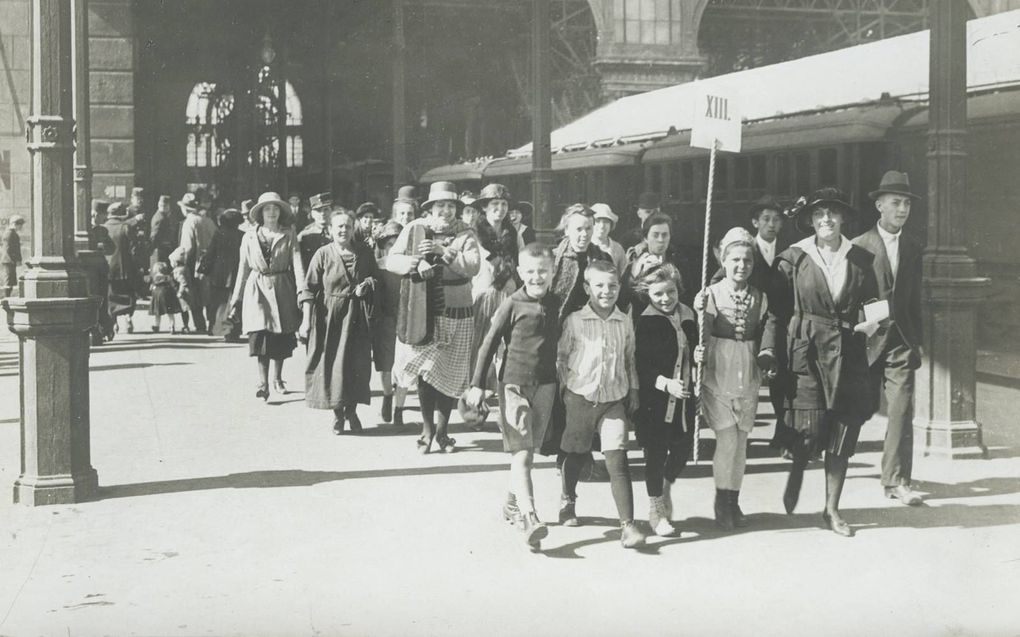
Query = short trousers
x=524 y=415
x=585 y=418
x=723 y=413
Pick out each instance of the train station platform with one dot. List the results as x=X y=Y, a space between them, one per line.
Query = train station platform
x=221 y=515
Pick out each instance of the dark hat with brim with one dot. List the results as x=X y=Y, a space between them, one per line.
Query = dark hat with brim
x=405 y=194
x=443 y=191
x=827 y=196
x=894 y=183
x=266 y=198
x=768 y=202
x=389 y=231
x=231 y=218
x=649 y=201
x=492 y=192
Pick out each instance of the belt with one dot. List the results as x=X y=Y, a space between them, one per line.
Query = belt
x=827 y=321
x=457 y=281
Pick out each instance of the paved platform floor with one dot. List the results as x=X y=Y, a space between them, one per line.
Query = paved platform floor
x=220 y=515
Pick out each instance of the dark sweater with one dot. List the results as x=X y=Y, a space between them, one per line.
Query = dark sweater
x=531 y=330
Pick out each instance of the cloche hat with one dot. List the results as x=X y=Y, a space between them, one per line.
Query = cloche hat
x=603 y=211
x=829 y=196
x=491 y=192
x=442 y=191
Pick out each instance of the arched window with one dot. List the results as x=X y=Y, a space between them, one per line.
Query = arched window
x=205 y=112
x=266 y=106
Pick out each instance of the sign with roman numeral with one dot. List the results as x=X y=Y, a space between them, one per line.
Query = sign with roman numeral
x=716 y=120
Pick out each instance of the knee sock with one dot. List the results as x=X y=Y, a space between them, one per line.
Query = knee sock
x=655 y=461
x=570 y=474
x=723 y=460
x=427 y=399
x=619 y=480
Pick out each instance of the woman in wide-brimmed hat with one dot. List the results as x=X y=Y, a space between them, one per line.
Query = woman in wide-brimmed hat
x=441 y=251
x=270 y=264
x=520 y=218
x=816 y=313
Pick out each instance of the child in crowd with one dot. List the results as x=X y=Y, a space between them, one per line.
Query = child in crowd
x=384 y=323
x=599 y=382
x=667 y=333
x=178 y=261
x=735 y=314
x=163 y=296
x=527 y=323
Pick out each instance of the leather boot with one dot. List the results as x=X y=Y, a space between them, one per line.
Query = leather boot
x=738 y=516
x=387 y=408
x=723 y=512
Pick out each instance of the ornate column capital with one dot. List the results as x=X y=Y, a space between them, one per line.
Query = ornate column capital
x=50 y=133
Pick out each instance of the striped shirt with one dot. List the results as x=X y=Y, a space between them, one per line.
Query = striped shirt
x=595 y=357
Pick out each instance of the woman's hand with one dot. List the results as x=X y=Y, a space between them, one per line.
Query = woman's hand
x=699 y=355
x=767 y=363
x=303 y=329
x=678 y=389
x=361 y=290
x=867 y=328
x=233 y=314
x=428 y=246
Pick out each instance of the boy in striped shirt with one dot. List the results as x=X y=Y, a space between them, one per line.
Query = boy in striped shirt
x=599 y=382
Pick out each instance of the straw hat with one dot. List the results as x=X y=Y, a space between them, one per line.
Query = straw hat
x=442 y=191
x=266 y=198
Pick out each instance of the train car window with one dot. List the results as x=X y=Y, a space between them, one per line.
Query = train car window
x=802 y=173
x=701 y=179
x=673 y=181
x=721 y=187
x=781 y=163
x=828 y=166
x=655 y=178
x=759 y=179
x=686 y=178
x=741 y=178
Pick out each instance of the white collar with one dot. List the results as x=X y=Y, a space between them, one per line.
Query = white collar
x=763 y=242
x=886 y=235
x=807 y=244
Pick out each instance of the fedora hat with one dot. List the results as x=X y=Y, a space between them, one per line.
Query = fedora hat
x=894 y=183
x=603 y=211
x=442 y=191
x=649 y=201
x=826 y=196
x=321 y=200
x=189 y=201
x=491 y=192
x=266 y=198
x=767 y=202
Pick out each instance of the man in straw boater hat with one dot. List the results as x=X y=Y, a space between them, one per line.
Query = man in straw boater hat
x=315 y=234
x=894 y=351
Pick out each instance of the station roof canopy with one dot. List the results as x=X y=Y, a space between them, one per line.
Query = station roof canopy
x=895 y=67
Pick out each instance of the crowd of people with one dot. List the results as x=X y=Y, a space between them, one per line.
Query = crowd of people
x=582 y=343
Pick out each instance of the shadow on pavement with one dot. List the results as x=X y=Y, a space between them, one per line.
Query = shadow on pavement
x=283 y=478
x=974 y=488
x=107 y=368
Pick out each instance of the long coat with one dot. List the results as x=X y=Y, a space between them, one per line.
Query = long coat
x=903 y=293
x=339 y=369
x=122 y=233
x=827 y=361
x=568 y=277
x=269 y=288
x=220 y=261
x=657 y=353
x=165 y=234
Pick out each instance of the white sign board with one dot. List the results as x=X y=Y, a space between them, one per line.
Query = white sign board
x=716 y=118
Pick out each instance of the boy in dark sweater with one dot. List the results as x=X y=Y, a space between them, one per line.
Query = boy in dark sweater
x=528 y=322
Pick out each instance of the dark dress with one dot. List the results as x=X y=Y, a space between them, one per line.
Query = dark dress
x=164 y=296
x=124 y=274
x=829 y=395
x=339 y=340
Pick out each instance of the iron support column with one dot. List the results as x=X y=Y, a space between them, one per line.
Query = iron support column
x=946 y=422
x=541 y=119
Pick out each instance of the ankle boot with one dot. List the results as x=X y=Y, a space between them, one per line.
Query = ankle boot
x=723 y=512
x=351 y=412
x=739 y=519
x=631 y=535
x=338 y=422
x=387 y=408
x=398 y=416
x=658 y=519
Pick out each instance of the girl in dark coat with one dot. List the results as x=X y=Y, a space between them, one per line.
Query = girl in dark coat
x=666 y=333
x=337 y=307
x=821 y=286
